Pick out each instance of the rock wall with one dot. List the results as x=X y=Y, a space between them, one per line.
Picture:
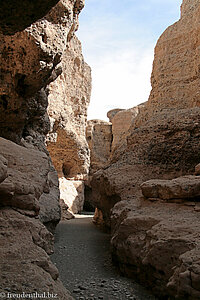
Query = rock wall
x=35 y=60
x=175 y=76
x=122 y=121
x=68 y=100
x=26 y=244
x=155 y=240
x=106 y=140
x=99 y=138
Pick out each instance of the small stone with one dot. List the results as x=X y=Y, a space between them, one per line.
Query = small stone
x=76 y=291
x=103 y=281
x=83 y=288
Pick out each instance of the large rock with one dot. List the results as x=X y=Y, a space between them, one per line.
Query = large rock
x=111 y=113
x=158 y=245
x=72 y=193
x=68 y=100
x=29 y=182
x=186 y=187
x=25 y=183
x=25 y=265
x=25 y=241
x=162 y=149
x=175 y=77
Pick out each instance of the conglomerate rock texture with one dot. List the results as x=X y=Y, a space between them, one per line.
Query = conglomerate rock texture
x=31 y=59
x=68 y=100
x=155 y=236
x=17 y=15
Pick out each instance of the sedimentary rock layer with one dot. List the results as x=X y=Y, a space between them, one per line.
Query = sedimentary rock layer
x=153 y=240
x=68 y=100
x=31 y=59
x=99 y=138
x=26 y=178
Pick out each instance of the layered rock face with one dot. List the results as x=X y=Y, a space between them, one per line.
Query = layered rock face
x=155 y=235
x=68 y=100
x=25 y=241
x=106 y=141
x=99 y=138
x=175 y=76
x=32 y=58
x=122 y=121
x=29 y=195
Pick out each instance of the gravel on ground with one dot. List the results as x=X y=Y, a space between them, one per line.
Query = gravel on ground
x=82 y=256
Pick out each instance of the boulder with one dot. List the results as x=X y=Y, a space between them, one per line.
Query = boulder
x=186 y=187
x=24 y=254
x=72 y=193
x=158 y=245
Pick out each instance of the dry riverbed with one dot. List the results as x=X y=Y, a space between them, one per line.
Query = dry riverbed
x=83 y=259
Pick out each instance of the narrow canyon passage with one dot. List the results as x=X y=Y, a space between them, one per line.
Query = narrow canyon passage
x=83 y=259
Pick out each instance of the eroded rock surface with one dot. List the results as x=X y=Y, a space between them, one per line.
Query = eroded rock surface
x=154 y=240
x=186 y=187
x=25 y=242
x=27 y=259
x=159 y=245
x=16 y=15
x=31 y=59
x=72 y=193
x=99 y=138
x=122 y=121
x=68 y=100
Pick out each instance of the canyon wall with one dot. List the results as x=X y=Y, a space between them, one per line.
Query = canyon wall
x=41 y=94
x=155 y=224
x=68 y=100
x=99 y=138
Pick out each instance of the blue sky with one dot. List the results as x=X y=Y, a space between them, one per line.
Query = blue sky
x=118 y=39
